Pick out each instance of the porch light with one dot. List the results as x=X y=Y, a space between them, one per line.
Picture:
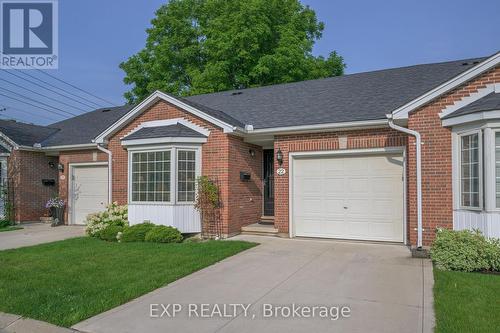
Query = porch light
x=279 y=157
x=60 y=167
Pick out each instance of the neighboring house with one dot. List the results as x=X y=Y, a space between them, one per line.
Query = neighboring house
x=348 y=168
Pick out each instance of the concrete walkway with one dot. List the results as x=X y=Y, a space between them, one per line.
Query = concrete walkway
x=10 y=323
x=385 y=290
x=37 y=233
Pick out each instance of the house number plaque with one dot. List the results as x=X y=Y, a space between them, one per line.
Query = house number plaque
x=281 y=171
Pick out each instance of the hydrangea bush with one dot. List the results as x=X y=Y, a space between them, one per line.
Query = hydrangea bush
x=114 y=214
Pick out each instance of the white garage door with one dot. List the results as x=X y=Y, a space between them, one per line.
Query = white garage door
x=350 y=197
x=89 y=191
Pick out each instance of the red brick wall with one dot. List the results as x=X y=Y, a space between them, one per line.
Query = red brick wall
x=375 y=138
x=437 y=197
x=223 y=157
x=245 y=197
x=80 y=156
x=26 y=170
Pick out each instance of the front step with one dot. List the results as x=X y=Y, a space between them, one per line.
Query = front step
x=259 y=229
x=267 y=219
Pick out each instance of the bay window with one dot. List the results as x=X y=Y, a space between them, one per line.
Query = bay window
x=186 y=176
x=470 y=171
x=163 y=176
x=151 y=176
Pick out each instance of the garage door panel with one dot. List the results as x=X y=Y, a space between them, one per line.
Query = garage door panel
x=355 y=197
x=383 y=207
x=333 y=206
x=358 y=185
x=90 y=188
x=309 y=185
x=311 y=166
x=89 y=191
x=309 y=226
x=333 y=186
x=310 y=207
x=354 y=166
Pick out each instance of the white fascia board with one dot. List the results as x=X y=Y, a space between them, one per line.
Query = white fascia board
x=321 y=127
x=167 y=122
x=70 y=147
x=154 y=141
x=9 y=141
x=473 y=117
x=403 y=111
x=467 y=100
x=153 y=98
x=6 y=145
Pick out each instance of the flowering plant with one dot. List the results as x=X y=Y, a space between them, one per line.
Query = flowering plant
x=55 y=202
x=113 y=215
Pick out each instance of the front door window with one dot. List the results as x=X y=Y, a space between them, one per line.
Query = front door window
x=268 y=182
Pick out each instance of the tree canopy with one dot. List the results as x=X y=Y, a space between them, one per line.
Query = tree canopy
x=203 y=46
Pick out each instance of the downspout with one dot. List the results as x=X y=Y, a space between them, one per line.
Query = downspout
x=419 y=174
x=110 y=172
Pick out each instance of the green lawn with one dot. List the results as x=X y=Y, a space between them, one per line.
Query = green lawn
x=68 y=281
x=466 y=302
x=10 y=228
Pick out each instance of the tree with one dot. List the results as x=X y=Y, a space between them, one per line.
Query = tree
x=203 y=46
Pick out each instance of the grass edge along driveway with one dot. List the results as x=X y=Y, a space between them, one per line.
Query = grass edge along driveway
x=466 y=302
x=10 y=228
x=68 y=281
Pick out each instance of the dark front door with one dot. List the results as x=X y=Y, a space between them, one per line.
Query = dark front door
x=269 y=182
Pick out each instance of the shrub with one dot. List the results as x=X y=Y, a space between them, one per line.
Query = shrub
x=163 y=234
x=493 y=254
x=136 y=233
x=4 y=223
x=110 y=233
x=113 y=215
x=465 y=250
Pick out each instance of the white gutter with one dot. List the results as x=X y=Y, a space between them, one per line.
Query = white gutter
x=419 y=174
x=317 y=127
x=110 y=172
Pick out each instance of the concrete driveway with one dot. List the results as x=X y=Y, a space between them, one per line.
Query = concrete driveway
x=385 y=290
x=37 y=233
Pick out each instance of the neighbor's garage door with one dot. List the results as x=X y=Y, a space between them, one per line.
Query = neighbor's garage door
x=355 y=197
x=89 y=191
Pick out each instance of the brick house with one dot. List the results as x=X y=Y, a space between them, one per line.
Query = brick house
x=388 y=155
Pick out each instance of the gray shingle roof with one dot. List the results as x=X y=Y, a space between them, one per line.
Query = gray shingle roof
x=25 y=134
x=354 y=97
x=489 y=102
x=215 y=113
x=83 y=128
x=177 y=130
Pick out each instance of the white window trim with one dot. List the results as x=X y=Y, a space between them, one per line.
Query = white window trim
x=173 y=172
x=458 y=168
x=197 y=174
x=491 y=204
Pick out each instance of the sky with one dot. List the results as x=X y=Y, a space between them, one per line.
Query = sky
x=95 y=36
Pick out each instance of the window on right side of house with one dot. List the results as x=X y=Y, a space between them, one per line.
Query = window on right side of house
x=469 y=171
x=497 y=169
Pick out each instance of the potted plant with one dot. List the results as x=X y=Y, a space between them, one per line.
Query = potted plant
x=56 y=207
